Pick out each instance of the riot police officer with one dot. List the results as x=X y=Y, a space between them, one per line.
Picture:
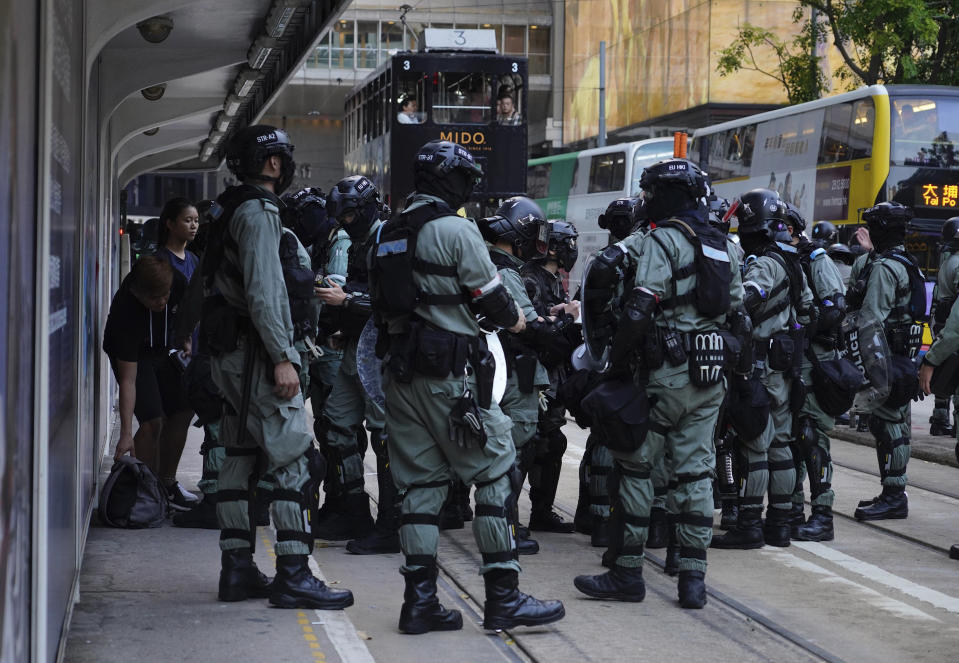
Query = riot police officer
x=544 y=284
x=686 y=284
x=811 y=425
x=518 y=232
x=430 y=271
x=778 y=301
x=885 y=283
x=943 y=298
x=254 y=304
x=354 y=202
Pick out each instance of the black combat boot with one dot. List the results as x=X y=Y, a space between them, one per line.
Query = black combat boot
x=671 y=562
x=202 y=516
x=863 y=425
x=524 y=544
x=549 y=521
x=599 y=532
x=422 y=612
x=818 y=527
x=747 y=535
x=657 y=533
x=944 y=428
x=352 y=521
x=385 y=537
x=692 y=589
x=239 y=577
x=776 y=529
x=507 y=607
x=619 y=583
x=891 y=504
x=797 y=518
x=296 y=587
x=729 y=515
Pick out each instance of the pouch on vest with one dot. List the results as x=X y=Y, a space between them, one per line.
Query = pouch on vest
x=903 y=380
x=484 y=367
x=620 y=409
x=748 y=407
x=219 y=327
x=945 y=377
x=439 y=353
x=781 y=352
x=835 y=383
x=707 y=358
x=524 y=364
x=132 y=497
x=713 y=275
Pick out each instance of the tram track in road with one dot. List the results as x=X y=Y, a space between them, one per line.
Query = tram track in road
x=863 y=470
x=739 y=608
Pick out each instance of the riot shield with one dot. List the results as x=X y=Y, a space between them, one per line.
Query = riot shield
x=499 y=357
x=596 y=339
x=582 y=359
x=369 y=367
x=866 y=347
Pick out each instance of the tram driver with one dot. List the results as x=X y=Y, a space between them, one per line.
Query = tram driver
x=409 y=111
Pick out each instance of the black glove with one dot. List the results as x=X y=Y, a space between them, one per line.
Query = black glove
x=465 y=423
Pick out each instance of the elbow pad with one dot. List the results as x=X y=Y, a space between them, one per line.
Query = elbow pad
x=637 y=318
x=753 y=296
x=497 y=306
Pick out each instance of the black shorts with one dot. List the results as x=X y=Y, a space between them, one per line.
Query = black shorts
x=160 y=389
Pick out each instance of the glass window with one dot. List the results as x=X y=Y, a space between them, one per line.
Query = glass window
x=717 y=157
x=514 y=41
x=539 y=49
x=835 y=134
x=537 y=180
x=749 y=142
x=410 y=98
x=321 y=55
x=391 y=39
x=342 y=51
x=367 y=43
x=861 y=129
x=509 y=99
x=924 y=132
x=607 y=172
x=647 y=155
x=462 y=98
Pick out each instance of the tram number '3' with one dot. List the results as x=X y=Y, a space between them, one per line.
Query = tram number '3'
x=515 y=67
x=406 y=65
x=460 y=39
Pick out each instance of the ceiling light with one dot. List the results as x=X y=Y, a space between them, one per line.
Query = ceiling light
x=232 y=105
x=260 y=51
x=223 y=122
x=151 y=132
x=245 y=82
x=533 y=27
x=155 y=29
x=216 y=137
x=280 y=16
x=207 y=151
x=154 y=92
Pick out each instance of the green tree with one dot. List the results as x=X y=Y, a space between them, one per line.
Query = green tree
x=797 y=69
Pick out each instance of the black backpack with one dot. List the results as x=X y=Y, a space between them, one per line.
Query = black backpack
x=132 y=496
x=393 y=260
x=711 y=296
x=917 y=284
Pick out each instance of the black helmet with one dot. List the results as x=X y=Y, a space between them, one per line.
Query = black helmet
x=795 y=219
x=825 y=233
x=887 y=223
x=306 y=216
x=623 y=215
x=446 y=170
x=950 y=230
x=562 y=242
x=252 y=146
x=672 y=186
x=841 y=253
x=760 y=211
x=520 y=222
x=356 y=194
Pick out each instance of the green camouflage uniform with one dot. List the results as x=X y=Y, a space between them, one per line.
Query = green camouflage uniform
x=423 y=457
x=944 y=294
x=274 y=426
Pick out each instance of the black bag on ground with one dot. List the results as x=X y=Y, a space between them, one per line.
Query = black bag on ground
x=835 y=383
x=620 y=410
x=748 y=407
x=903 y=381
x=132 y=497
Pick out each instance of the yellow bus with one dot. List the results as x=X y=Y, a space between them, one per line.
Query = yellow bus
x=836 y=156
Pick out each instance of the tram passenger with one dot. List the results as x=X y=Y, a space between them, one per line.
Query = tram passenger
x=506 y=112
x=409 y=111
x=257 y=303
x=667 y=312
x=138 y=338
x=438 y=427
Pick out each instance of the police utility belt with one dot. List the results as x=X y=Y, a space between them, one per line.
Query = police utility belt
x=708 y=353
x=436 y=353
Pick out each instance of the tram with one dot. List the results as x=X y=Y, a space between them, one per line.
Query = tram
x=457 y=88
x=836 y=156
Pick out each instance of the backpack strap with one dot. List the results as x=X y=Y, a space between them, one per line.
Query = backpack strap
x=679 y=273
x=416 y=219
